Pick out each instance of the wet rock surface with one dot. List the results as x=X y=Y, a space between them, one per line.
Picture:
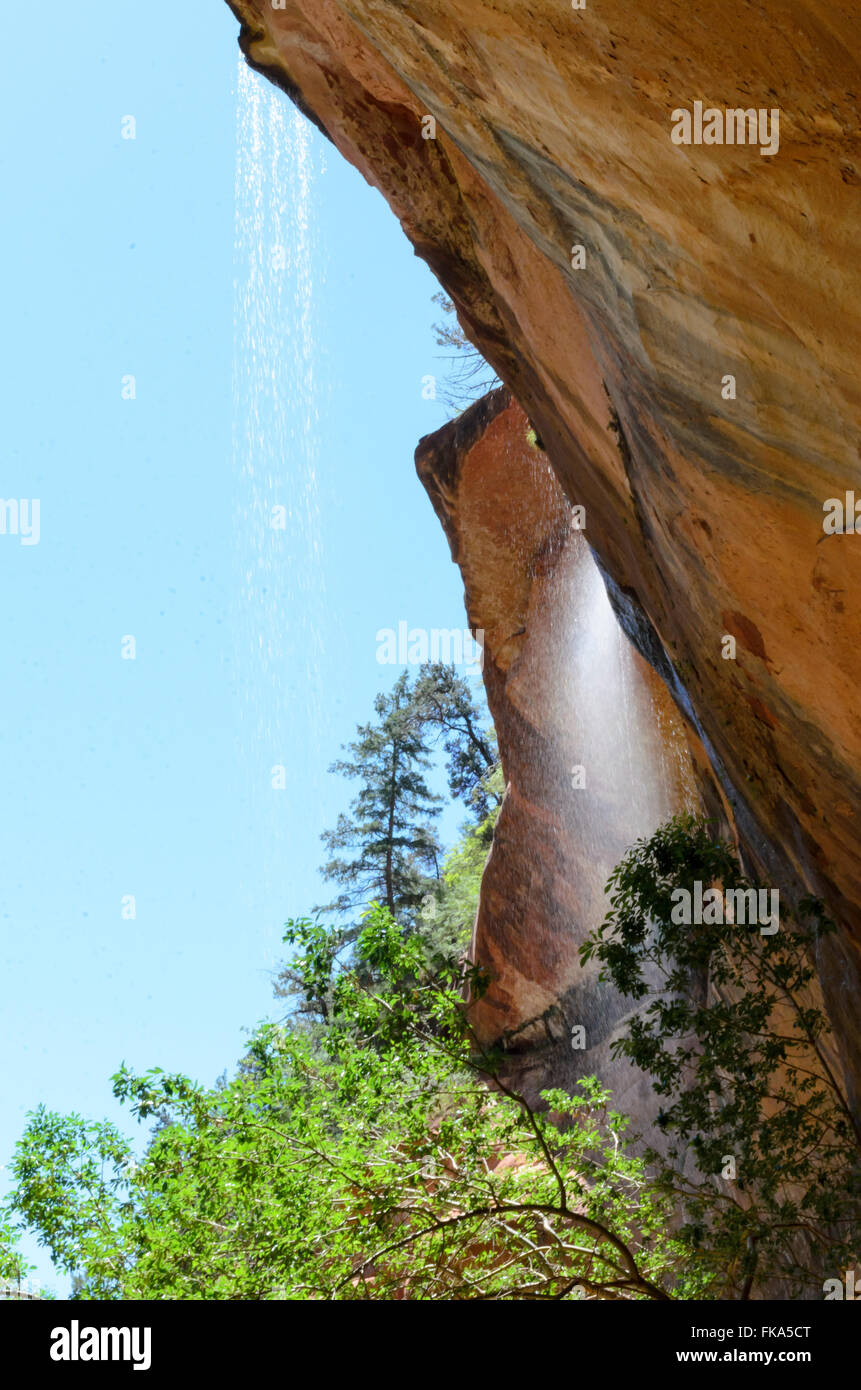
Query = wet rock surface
x=593 y=751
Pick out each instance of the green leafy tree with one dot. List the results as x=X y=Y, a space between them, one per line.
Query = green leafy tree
x=319 y=946
x=730 y=1038
x=70 y=1174
x=379 y=1167
x=13 y=1266
x=384 y=1157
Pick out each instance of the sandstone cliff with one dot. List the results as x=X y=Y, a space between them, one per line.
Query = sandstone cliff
x=594 y=753
x=701 y=262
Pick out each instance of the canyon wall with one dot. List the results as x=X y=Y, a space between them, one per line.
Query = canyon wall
x=698 y=264
x=593 y=750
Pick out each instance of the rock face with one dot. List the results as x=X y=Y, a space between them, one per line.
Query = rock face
x=593 y=750
x=701 y=263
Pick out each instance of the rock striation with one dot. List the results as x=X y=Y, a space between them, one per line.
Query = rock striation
x=678 y=321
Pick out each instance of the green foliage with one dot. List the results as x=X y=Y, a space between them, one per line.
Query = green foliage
x=70 y=1179
x=381 y=1166
x=448 y=913
x=370 y=1148
x=13 y=1266
x=320 y=946
x=729 y=1035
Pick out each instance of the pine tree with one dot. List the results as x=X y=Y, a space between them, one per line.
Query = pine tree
x=444 y=702
x=389 y=827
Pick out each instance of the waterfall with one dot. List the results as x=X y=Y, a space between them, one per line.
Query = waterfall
x=280 y=600
x=630 y=740
x=607 y=714
x=633 y=743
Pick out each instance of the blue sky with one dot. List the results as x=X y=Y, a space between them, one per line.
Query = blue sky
x=254 y=648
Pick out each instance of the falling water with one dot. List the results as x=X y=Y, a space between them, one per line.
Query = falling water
x=630 y=741
x=279 y=615
x=611 y=765
x=607 y=714
x=634 y=749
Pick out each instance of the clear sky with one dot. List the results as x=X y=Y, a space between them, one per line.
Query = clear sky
x=254 y=647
